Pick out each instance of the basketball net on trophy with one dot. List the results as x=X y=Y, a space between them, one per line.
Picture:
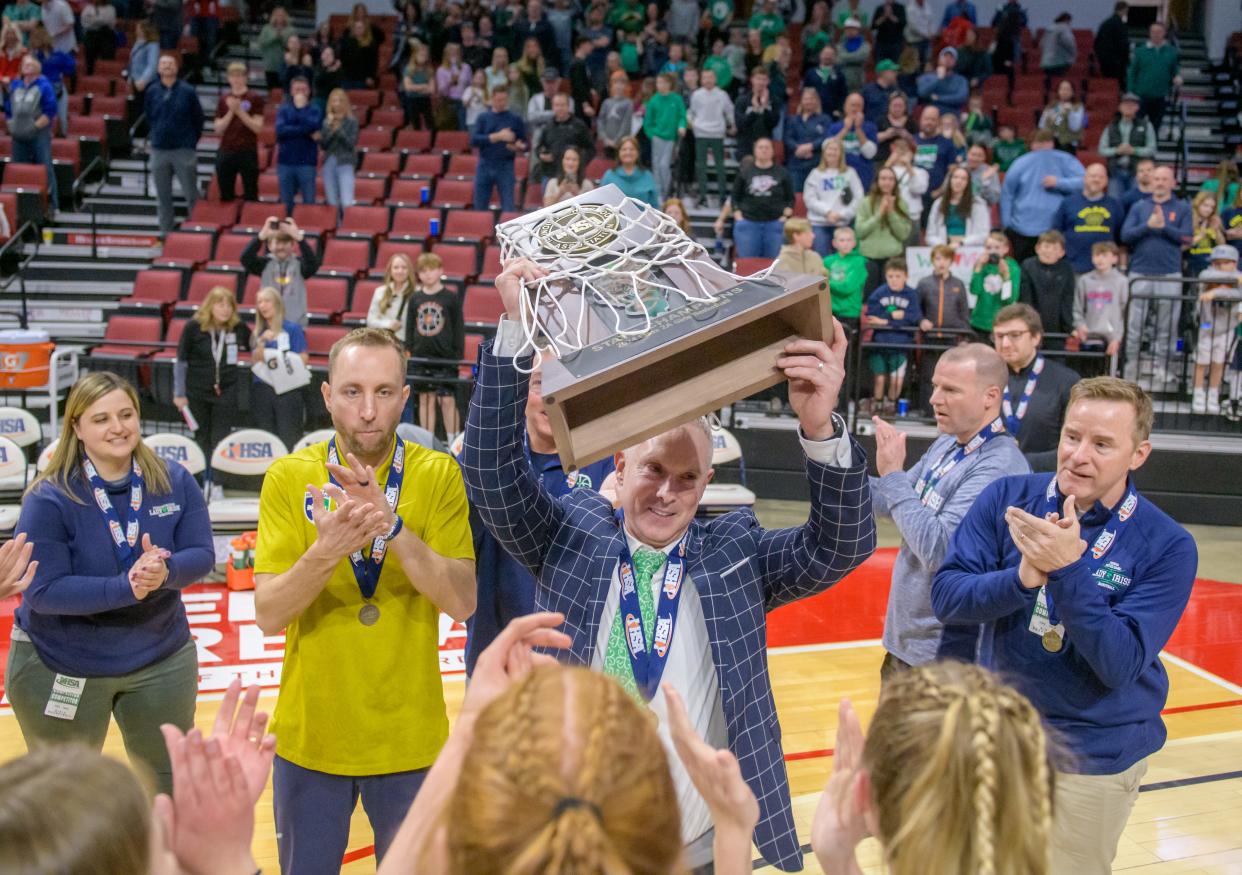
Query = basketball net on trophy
x=613 y=264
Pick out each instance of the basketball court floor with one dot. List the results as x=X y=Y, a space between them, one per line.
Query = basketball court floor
x=1188 y=816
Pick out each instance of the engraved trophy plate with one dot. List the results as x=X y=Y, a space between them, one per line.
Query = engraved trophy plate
x=638 y=329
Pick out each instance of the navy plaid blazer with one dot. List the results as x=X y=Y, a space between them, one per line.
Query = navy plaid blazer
x=741 y=571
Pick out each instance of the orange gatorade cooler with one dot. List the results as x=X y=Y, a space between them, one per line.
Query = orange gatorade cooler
x=25 y=358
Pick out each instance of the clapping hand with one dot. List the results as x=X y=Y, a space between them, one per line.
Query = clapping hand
x=890 y=448
x=358 y=481
x=1048 y=544
x=209 y=820
x=16 y=570
x=840 y=821
x=510 y=657
x=351 y=527
x=718 y=778
x=150 y=571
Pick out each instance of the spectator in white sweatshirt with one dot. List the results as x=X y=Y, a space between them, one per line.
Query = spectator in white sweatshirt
x=958 y=217
x=711 y=118
x=832 y=194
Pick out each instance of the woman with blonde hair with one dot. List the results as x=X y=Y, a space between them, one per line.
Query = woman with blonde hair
x=101 y=630
x=281 y=413
x=391 y=300
x=453 y=77
x=207 y=376
x=418 y=87
x=832 y=193
x=338 y=139
x=954 y=776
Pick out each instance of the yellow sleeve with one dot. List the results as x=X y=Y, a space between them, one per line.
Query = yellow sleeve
x=449 y=532
x=282 y=536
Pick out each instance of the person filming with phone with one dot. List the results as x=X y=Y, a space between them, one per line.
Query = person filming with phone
x=282 y=268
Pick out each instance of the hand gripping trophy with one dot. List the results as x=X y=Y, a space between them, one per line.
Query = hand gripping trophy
x=638 y=329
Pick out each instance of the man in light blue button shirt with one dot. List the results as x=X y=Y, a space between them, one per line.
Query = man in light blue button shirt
x=928 y=501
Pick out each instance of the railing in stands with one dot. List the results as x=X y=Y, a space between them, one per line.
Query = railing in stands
x=1177 y=132
x=27 y=229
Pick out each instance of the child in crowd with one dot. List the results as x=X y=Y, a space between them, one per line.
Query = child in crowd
x=1209 y=232
x=474 y=98
x=893 y=311
x=977 y=124
x=1007 y=148
x=435 y=329
x=994 y=283
x=847 y=275
x=1047 y=284
x=1218 y=314
x=798 y=255
x=616 y=117
x=1100 y=302
x=946 y=316
x=664 y=123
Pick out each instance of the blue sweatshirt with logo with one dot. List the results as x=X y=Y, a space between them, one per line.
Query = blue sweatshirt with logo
x=1104 y=689
x=80 y=612
x=1086 y=222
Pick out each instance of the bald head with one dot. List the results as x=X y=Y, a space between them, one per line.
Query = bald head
x=989 y=367
x=967 y=388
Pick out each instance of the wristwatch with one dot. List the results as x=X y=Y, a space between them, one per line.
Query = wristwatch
x=395 y=530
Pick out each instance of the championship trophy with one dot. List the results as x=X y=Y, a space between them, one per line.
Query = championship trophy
x=637 y=329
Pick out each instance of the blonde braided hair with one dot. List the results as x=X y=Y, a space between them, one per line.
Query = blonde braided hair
x=958 y=764
x=565 y=776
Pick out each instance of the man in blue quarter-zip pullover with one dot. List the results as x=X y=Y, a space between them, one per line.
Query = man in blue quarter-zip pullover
x=1079 y=582
x=1034 y=187
x=928 y=501
x=175 y=116
x=500 y=136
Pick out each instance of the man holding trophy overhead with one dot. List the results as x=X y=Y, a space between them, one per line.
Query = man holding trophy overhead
x=650 y=594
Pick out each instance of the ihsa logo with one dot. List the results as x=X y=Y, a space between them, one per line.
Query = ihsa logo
x=173 y=454
x=249 y=450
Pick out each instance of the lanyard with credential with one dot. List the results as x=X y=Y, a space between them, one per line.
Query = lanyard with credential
x=1014 y=419
x=366 y=567
x=1109 y=536
x=218 y=339
x=648 y=663
x=123 y=540
x=926 y=485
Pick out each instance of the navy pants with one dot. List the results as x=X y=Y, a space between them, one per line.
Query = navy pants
x=498 y=174
x=313 y=811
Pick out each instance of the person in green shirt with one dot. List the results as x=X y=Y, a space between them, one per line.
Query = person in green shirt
x=1153 y=71
x=272 y=39
x=1007 y=148
x=845 y=11
x=882 y=225
x=1224 y=184
x=664 y=123
x=628 y=15
x=720 y=13
x=994 y=283
x=847 y=275
x=768 y=22
x=719 y=64
x=23 y=15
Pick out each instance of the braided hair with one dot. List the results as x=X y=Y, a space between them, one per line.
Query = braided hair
x=565 y=776
x=960 y=774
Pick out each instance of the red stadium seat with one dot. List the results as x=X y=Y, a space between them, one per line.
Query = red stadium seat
x=413 y=223
x=367 y=97
x=67 y=151
x=410 y=141
x=370 y=192
x=253 y=215
x=462 y=167
x=315 y=218
x=327 y=296
x=319 y=340
x=187 y=250
x=491 y=264
x=124 y=336
x=471 y=226
x=422 y=167
x=86 y=127
x=26 y=177
x=482 y=306
x=388 y=249
x=269 y=187
x=346 y=257
x=360 y=301
x=212 y=216
x=229 y=248
x=470 y=354
x=365 y=222
x=454 y=193
x=382 y=164
x=596 y=169
x=409 y=192
x=203 y=281
x=460 y=262
x=747 y=266
x=108 y=107
x=534 y=197
x=374 y=140
x=250 y=292
x=391 y=119
x=97 y=85
x=155 y=287
x=453 y=142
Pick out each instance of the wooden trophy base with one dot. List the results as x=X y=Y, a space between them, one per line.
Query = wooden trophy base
x=695 y=359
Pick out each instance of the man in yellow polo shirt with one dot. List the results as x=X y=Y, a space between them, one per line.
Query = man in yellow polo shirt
x=363 y=540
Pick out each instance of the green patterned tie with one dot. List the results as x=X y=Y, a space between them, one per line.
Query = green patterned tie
x=617 y=656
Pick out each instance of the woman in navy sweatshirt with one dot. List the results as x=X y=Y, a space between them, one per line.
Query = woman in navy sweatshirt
x=101 y=631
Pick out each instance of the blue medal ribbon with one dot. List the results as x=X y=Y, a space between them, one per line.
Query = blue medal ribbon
x=1013 y=418
x=926 y=485
x=368 y=565
x=124 y=541
x=648 y=663
x=1104 y=541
